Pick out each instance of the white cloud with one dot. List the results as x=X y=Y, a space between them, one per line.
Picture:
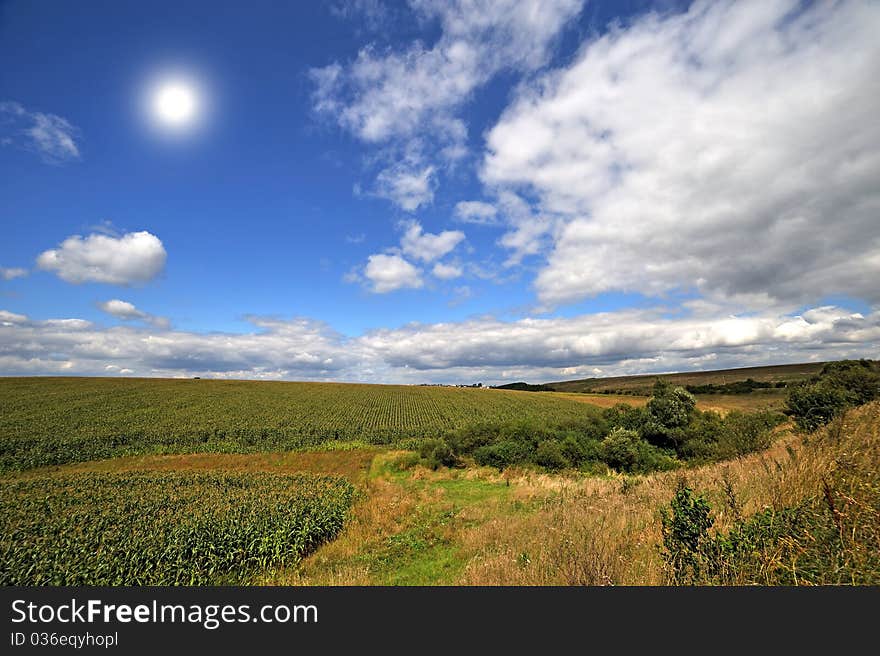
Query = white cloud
x=372 y=14
x=52 y=136
x=446 y=271
x=8 y=318
x=411 y=98
x=475 y=211
x=294 y=349
x=628 y=341
x=733 y=149
x=12 y=273
x=387 y=273
x=128 y=312
x=121 y=310
x=132 y=258
x=487 y=349
x=426 y=246
x=407 y=187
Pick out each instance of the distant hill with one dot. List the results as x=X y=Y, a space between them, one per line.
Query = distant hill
x=641 y=384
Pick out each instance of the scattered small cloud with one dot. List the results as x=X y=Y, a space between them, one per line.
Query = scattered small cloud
x=476 y=212
x=408 y=188
x=446 y=271
x=12 y=273
x=49 y=135
x=388 y=273
x=125 y=311
x=426 y=246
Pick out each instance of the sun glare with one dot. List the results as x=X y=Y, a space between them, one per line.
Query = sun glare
x=175 y=104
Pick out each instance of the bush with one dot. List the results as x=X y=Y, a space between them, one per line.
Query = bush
x=687 y=545
x=436 y=453
x=550 y=454
x=815 y=405
x=861 y=378
x=626 y=416
x=502 y=454
x=744 y=433
x=578 y=450
x=620 y=449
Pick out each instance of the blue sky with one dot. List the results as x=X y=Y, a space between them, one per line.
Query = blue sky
x=437 y=192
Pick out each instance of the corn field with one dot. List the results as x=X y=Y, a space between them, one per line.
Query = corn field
x=163 y=528
x=52 y=421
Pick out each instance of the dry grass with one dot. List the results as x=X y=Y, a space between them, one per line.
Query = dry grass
x=601 y=400
x=605 y=531
x=787 y=373
x=721 y=403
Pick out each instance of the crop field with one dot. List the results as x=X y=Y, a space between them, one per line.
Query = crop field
x=163 y=528
x=787 y=373
x=52 y=421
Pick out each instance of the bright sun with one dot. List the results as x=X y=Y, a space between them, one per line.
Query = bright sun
x=175 y=104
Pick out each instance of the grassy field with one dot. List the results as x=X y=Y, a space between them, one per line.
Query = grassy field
x=186 y=482
x=480 y=527
x=50 y=421
x=787 y=373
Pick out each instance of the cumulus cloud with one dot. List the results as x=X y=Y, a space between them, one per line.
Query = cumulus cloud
x=12 y=273
x=475 y=211
x=387 y=273
x=626 y=341
x=487 y=349
x=733 y=149
x=134 y=257
x=446 y=271
x=426 y=246
x=52 y=136
x=296 y=349
x=128 y=312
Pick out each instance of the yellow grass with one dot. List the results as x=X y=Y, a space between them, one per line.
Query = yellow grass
x=722 y=403
x=600 y=531
x=570 y=529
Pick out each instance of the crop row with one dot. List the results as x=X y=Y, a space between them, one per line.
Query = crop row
x=163 y=528
x=55 y=421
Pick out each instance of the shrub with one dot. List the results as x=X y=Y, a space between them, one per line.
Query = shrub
x=744 y=433
x=861 y=378
x=502 y=454
x=814 y=405
x=687 y=545
x=620 y=449
x=435 y=453
x=550 y=454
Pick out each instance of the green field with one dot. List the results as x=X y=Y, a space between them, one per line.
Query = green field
x=51 y=421
x=163 y=528
x=786 y=373
x=150 y=481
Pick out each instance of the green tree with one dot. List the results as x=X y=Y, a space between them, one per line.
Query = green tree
x=671 y=407
x=620 y=449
